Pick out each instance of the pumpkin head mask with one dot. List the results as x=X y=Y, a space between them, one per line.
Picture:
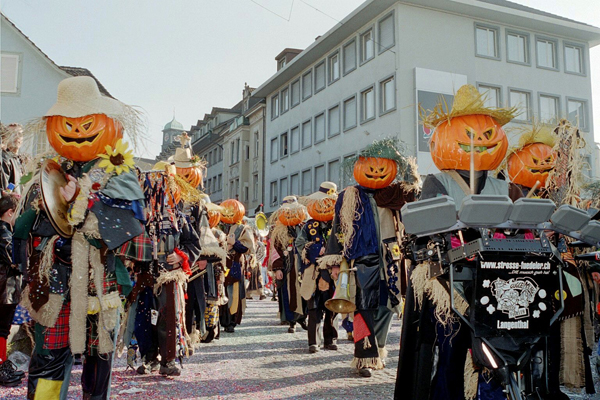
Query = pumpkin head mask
x=450 y=144
x=469 y=128
x=233 y=211
x=375 y=173
x=83 y=138
x=531 y=164
x=291 y=213
x=321 y=204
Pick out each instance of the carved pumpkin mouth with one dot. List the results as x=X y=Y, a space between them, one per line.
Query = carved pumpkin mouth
x=541 y=171
x=382 y=177
x=80 y=141
x=480 y=149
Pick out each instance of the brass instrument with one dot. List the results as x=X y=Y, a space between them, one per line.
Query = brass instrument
x=262 y=224
x=52 y=178
x=341 y=303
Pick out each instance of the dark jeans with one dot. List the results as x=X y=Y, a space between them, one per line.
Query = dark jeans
x=315 y=316
x=7 y=313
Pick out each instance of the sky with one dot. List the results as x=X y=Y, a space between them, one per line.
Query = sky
x=182 y=58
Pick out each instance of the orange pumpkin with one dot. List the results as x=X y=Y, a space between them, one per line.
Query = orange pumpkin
x=375 y=172
x=531 y=164
x=175 y=198
x=82 y=139
x=292 y=216
x=192 y=175
x=450 y=144
x=214 y=217
x=322 y=210
x=233 y=211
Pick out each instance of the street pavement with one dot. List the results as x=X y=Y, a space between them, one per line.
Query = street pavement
x=261 y=360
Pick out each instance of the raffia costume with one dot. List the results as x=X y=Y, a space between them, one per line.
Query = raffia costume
x=365 y=232
x=104 y=214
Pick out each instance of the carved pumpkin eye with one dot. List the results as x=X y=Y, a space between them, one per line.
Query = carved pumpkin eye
x=549 y=159
x=489 y=133
x=68 y=125
x=87 y=125
x=536 y=160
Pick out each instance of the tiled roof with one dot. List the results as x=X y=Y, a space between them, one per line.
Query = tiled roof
x=77 y=71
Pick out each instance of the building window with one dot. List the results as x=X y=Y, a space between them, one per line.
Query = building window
x=334 y=121
x=522 y=100
x=386 y=33
x=306 y=134
x=492 y=95
x=255 y=186
x=246 y=152
x=256 y=145
x=367 y=104
x=295 y=184
x=319 y=176
x=208 y=185
x=319 y=128
x=350 y=113
x=283 y=142
x=387 y=94
x=237 y=149
x=285 y=98
x=232 y=148
x=486 y=41
x=10 y=73
x=283 y=188
x=307 y=85
x=274 y=149
x=295 y=92
x=367 y=46
x=546 y=53
x=334 y=67
x=320 y=76
x=306 y=182
x=577 y=113
x=246 y=193
x=549 y=108
x=295 y=139
x=281 y=63
x=275 y=106
x=220 y=182
x=349 y=56
x=273 y=194
x=574 y=58
x=517 y=47
x=333 y=171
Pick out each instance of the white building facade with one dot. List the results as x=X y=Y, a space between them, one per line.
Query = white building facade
x=364 y=79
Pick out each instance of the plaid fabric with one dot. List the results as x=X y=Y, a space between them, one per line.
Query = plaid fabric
x=92 y=335
x=57 y=337
x=139 y=248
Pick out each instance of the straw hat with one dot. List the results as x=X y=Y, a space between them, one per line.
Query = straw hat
x=289 y=202
x=326 y=190
x=79 y=96
x=467 y=101
x=210 y=206
x=183 y=158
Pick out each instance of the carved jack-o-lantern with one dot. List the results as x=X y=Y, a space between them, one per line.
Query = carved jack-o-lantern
x=531 y=164
x=82 y=139
x=375 y=172
x=233 y=211
x=214 y=217
x=192 y=175
x=322 y=210
x=450 y=144
x=292 y=216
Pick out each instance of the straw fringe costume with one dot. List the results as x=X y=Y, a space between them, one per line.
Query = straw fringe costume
x=238 y=259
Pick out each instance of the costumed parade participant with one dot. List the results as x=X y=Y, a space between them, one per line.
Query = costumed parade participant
x=158 y=300
x=284 y=260
x=469 y=132
x=240 y=247
x=210 y=271
x=317 y=286
x=11 y=282
x=254 y=272
x=364 y=238
x=529 y=163
x=76 y=213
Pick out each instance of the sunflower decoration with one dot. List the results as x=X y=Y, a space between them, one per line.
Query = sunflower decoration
x=117 y=159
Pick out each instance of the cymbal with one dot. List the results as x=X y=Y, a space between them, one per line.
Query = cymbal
x=52 y=178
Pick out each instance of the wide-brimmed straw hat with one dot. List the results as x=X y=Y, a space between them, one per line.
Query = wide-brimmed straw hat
x=79 y=96
x=210 y=206
x=326 y=190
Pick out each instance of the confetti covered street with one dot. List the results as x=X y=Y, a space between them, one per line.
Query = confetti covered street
x=261 y=360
